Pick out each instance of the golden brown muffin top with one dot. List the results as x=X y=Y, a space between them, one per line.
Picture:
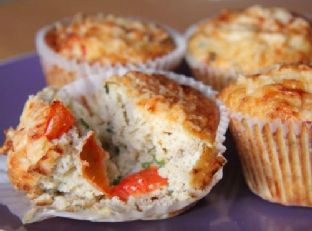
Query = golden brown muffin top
x=30 y=157
x=110 y=40
x=284 y=92
x=166 y=99
x=250 y=40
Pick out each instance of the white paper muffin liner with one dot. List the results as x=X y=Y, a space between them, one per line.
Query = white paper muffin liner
x=60 y=70
x=89 y=86
x=276 y=158
x=216 y=77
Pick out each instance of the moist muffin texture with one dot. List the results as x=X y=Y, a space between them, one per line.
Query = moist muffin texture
x=141 y=147
x=246 y=42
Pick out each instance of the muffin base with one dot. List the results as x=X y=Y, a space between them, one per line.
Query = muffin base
x=214 y=77
x=58 y=77
x=276 y=158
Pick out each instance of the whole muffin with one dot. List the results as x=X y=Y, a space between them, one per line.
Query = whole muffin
x=271 y=115
x=134 y=145
x=92 y=44
x=246 y=42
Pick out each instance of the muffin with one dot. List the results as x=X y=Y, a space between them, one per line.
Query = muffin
x=136 y=145
x=271 y=116
x=246 y=42
x=85 y=45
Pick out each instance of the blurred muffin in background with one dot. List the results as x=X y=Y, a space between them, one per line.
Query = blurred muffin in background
x=86 y=45
x=271 y=117
x=246 y=42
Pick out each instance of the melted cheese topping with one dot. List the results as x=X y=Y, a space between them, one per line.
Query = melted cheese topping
x=284 y=92
x=110 y=40
x=251 y=40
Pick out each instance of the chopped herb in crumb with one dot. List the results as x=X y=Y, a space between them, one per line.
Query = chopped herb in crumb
x=126 y=117
x=106 y=86
x=152 y=151
x=116 y=180
x=134 y=131
x=160 y=163
x=146 y=164
x=109 y=128
x=84 y=123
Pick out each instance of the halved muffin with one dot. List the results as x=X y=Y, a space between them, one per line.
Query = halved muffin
x=134 y=146
x=246 y=42
x=85 y=45
x=271 y=116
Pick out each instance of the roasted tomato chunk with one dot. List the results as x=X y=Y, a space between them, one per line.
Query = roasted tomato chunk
x=60 y=120
x=139 y=183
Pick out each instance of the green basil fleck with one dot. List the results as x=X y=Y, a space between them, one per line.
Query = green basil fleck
x=106 y=88
x=84 y=123
x=146 y=164
x=117 y=180
x=126 y=117
x=109 y=128
x=160 y=163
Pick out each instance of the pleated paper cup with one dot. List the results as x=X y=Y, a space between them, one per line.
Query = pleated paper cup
x=59 y=70
x=89 y=87
x=216 y=77
x=276 y=158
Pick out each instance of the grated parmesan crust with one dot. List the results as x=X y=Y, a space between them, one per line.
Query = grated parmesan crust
x=248 y=41
x=285 y=93
x=110 y=40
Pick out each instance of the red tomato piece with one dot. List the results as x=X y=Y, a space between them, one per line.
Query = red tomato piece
x=93 y=158
x=60 y=120
x=144 y=181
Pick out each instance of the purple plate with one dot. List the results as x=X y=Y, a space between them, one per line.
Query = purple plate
x=230 y=205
